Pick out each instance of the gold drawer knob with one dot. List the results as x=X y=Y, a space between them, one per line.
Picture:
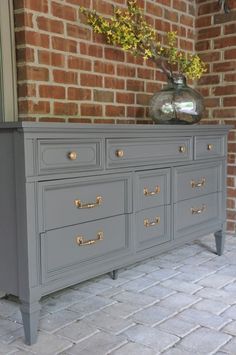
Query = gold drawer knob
x=148 y=223
x=119 y=153
x=209 y=146
x=151 y=193
x=182 y=149
x=198 y=210
x=81 y=242
x=200 y=183
x=72 y=155
x=80 y=204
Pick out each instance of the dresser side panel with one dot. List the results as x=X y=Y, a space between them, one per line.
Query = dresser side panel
x=8 y=245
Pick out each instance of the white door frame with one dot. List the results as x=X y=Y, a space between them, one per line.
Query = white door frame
x=8 y=81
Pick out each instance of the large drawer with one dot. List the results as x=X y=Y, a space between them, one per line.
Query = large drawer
x=152 y=227
x=68 y=155
x=153 y=188
x=196 y=180
x=71 y=248
x=209 y=147
x=196 y=214
x=136 y=152
x=72 y=201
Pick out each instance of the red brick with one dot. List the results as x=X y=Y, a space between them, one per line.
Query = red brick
x=78 y=32
x=79 y=63
x=115 y=111
x=79 y=94
x=209 y=32
x=91 y=80
x=230 y=77
x=224 y=66
x=126 y=70
x=106 y=68
x=33 y=107
x=114 y=54
x=64 y=45
x=26 y=90
x=51 y=119
x=91 y=50
x=202 y=45
x=65 y=108
x=145 y=73
x=231 y=203
x=154 y=9
x=79 y=120
x=230 y=29
x=23 y=19
x=125 y=98
x=230 y=54
x=51 y=58
x=91 y=110
x=25 y=55
x=186 y=20
x=32 y=38
x=231 y=227
x=39 y=6
x=65 y=77
x=210 y=56
x=135 y=111
x=52 y=91
x=103 y=96
x=84 y=3
x=162 y=26
x=225 y=90
x=224 y=42
x=208 y=8
x=143 y=99
x=50 y=25
x=103 y=6
x=229 y=101
x=62 y=11
x=135 y=85
x=33 y=73
x=209 y=80
x=114 y=83
x=203 y=21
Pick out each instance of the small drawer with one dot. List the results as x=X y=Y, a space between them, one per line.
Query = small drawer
x=68 y=202
x=137 y=152
x=195 y=214
x=196 y=180
x=68 y=249
x=66 y=156
x=153 y=188
x=153 y=227
x=209 y=147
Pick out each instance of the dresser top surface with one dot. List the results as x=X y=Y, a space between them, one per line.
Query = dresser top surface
x=114 y=128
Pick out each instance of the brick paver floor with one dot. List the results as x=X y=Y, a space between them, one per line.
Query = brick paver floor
x=178 y=303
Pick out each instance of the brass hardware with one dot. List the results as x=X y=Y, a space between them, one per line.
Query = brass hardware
x=151 y=193
x=182 y=149
x=200 y=183
x=81 y=242
x=147 y=223
x=209 y=146
x=98 y=202
x=119 y=153
x=198 y=210
x=72 y=155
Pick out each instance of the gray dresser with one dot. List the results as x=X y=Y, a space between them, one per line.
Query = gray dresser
x=82 y=200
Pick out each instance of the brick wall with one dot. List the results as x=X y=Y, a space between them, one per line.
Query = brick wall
x=216 y=44
x=65 y=72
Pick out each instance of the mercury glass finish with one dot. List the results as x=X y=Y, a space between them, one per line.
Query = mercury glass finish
x=176 y=103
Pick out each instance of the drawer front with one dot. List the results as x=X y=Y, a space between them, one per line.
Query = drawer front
x=68 y=202
x=209 y=147
x=193 y=181
x=197 y=213
x=136 y=152
x=66 y=156
x=153 y=227
x=67 y=249
x=153 y=188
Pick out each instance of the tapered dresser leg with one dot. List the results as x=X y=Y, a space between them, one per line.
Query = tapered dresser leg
x=114 y=274
x=30 y=316
x=220 y=241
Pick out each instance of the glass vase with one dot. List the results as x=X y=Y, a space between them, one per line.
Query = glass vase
x=176 y=103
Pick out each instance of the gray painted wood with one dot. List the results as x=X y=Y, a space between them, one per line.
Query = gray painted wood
x=38 y=186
